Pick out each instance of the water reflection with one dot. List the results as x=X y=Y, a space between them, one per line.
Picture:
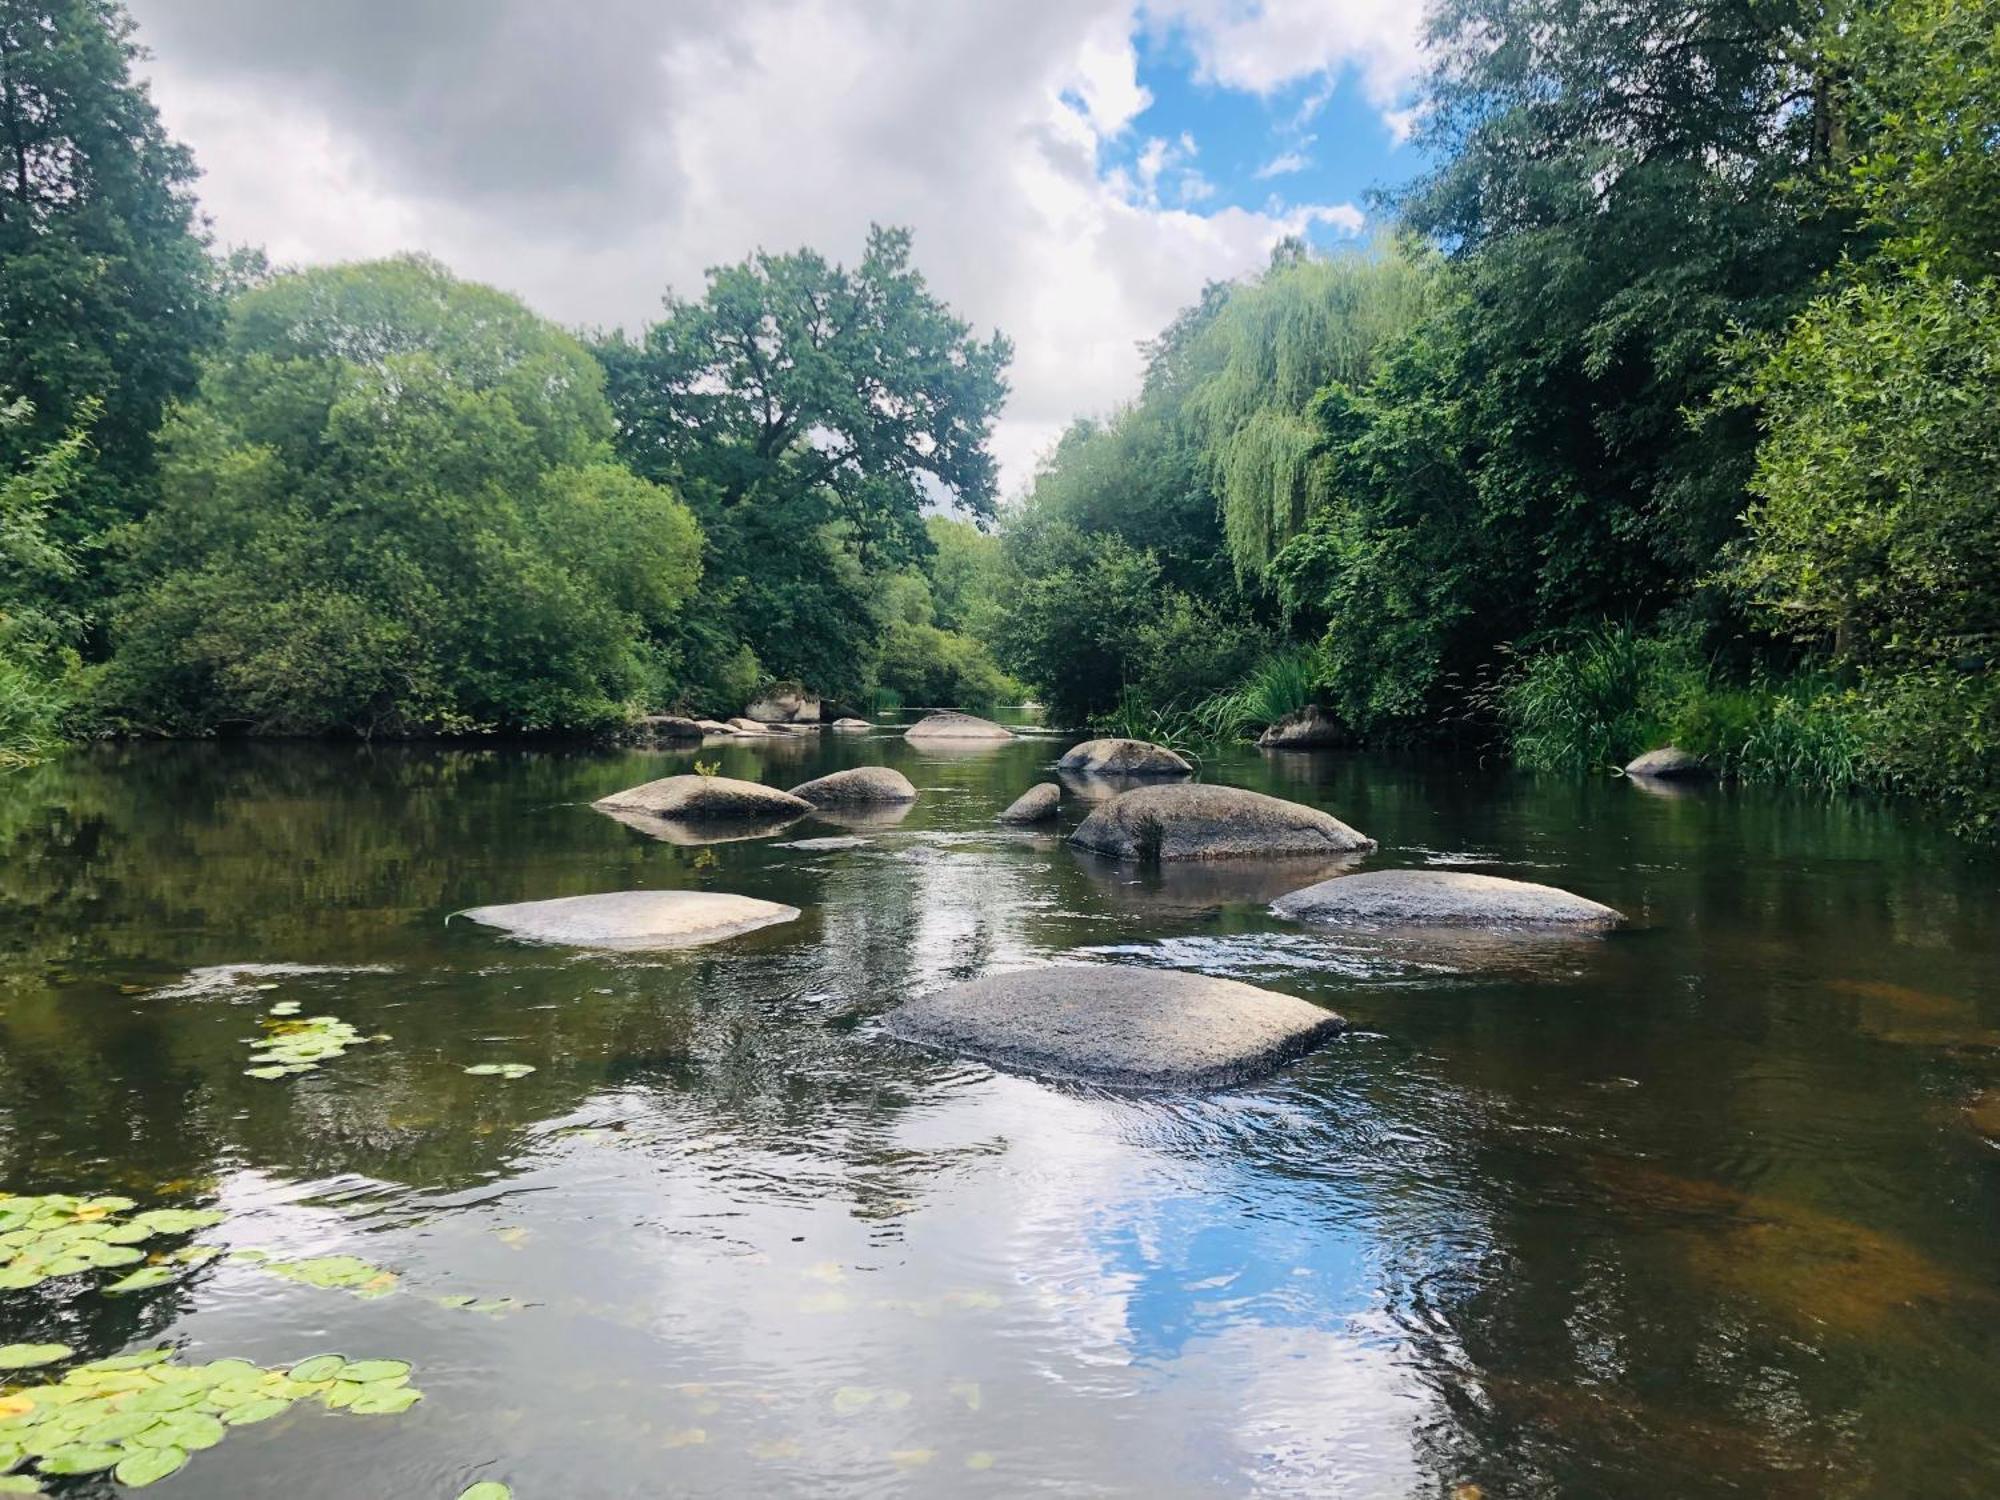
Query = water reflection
x=1692 y=1209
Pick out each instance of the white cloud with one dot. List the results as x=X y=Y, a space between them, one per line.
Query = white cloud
x=589 y=168
x=1264 y=45
x=1293 y=159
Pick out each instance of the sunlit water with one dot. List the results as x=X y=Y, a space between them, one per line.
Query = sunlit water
x=1693 y=1210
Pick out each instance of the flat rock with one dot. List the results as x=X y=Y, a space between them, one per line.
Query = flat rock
x=1310 y=728
x=1118 y=1025
x=862 y=785
x=1441 y=897
x=1124 y=758
x=956 y=726
x=740 y=725
x=851 y=726
x=1036 y=805
x=697 y=798
x=784 y=706
x=714 y=726
x=1667 y=762
x=1185 y=821
x=634 y=919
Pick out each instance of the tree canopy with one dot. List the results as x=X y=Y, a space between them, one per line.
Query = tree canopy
x=392 y=508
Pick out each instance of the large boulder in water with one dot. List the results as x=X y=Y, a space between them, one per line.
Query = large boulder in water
x=1038 y=804
x=1310 y=728
x=634 y=919
x=1441 y=898
x=663 y=729
x=1123 y=758
x=1118 y=1025
x=784 y=706
x=862 y=786
x=699 y=798
x=1185 y=821
x=956 y=726
x=1669 y=762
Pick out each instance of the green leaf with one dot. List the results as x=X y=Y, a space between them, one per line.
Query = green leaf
x=138 y=1361
x=380 y=1401
x=28 y=1356
x=194 y=1430
x=142 y=1278
x=80 y=1458
x=149 y=1466
x=487 y=1489
x=319 y=1367
x=252 y=1412
x=368 y=1371
x=266 y=1072
x=19 y=1484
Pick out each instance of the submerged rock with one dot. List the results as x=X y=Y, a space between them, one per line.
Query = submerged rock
x=956 y=726
x=1667 y=762
x=1441 y=896
x=1211 y=822
x=862 y=785
x=1124 y=758
x=851 y=726
x=1037 y=804
x=634 y=919
x=695 y=798
x=1310 y=728
x=1116 y=1025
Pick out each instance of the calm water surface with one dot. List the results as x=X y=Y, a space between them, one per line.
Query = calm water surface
x=1694 y=1210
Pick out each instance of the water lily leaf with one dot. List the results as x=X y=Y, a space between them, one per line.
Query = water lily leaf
x=368 y=1371
x=142 y=1278
x=139 y=1361
x=178 y=1220
x=378 y=1401
x=487 y=1489
x=81 y=1459
x=194 y=1430
x=19 y=1484
x=319 y=1367
x=28 y=1356
x=501 y=1070
x=266 y=1072
x=252 y=1412
x=285 y=1008
x=149 y=1466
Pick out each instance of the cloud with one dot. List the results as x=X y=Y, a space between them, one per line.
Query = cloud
x=1265 y=45
x=590 y=167
x=1293 y=159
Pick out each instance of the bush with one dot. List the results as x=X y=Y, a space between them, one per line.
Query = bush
x=1281 y=684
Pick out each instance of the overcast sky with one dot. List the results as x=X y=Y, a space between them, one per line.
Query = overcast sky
x=1074 y=170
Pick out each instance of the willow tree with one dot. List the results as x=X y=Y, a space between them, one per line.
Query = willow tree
x=1251 y=373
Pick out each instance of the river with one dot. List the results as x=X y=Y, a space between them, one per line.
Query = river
x=1695 y=1209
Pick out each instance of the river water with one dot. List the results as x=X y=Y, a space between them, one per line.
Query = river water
x=1696 y=1209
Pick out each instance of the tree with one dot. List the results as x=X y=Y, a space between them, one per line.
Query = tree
x=107 y=294
x=38 y=635
x=808 y=412
x=392 y=509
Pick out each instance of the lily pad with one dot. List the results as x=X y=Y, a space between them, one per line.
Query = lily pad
x=149 y=1466
x=487 y=1489
x=28 y=1356
x=319 y=1367
x=501 y=1070
x=368 y=1371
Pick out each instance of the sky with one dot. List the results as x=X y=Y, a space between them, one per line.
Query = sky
x=1073 y=170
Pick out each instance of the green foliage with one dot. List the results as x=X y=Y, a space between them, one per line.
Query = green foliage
x=1251 y=374
x=38 y=633
x=391 y=510
x=1281 y=684
x=107 y=294
x=806 y=411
